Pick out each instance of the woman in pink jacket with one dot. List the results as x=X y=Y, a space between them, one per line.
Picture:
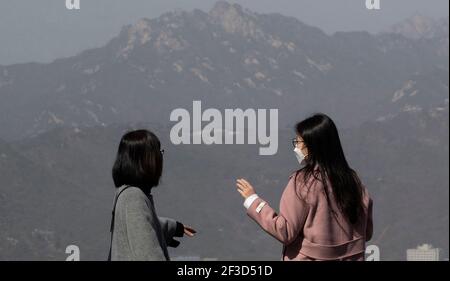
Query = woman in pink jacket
x=325 y=211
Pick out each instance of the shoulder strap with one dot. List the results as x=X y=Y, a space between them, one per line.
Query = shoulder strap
x=111 y=229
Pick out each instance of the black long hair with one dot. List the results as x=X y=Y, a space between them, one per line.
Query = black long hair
x=139 y=161
x=321 y=138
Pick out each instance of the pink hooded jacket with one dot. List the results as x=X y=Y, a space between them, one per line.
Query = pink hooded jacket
x=308 y=228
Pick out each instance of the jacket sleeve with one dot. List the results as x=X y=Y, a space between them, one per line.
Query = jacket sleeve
x=369 y=227
x=141 y=229
x=171 y=228
x=288 y=224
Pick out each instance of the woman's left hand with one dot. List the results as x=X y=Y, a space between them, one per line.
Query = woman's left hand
x=189 y=231
x=245 y=188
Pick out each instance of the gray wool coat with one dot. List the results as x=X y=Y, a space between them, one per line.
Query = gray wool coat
x=139 y=234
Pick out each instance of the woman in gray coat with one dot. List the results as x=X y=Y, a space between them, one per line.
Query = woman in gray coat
x=137 y=232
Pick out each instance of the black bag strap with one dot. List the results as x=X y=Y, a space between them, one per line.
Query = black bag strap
x=111 y=229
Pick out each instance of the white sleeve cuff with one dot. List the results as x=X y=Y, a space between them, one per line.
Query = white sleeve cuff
x=249 y=201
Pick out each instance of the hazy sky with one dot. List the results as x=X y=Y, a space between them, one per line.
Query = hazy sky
x=43 y=30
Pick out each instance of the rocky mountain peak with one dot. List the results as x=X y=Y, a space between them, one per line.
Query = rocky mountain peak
x=223 y=8
x=419 y=26
x=234 y=19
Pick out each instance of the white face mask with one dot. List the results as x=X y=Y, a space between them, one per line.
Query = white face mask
x=299 y=154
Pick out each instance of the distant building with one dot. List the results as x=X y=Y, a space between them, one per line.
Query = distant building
x=193 y=258
x=186 y=258
x=424 y=252
x=210 y=259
